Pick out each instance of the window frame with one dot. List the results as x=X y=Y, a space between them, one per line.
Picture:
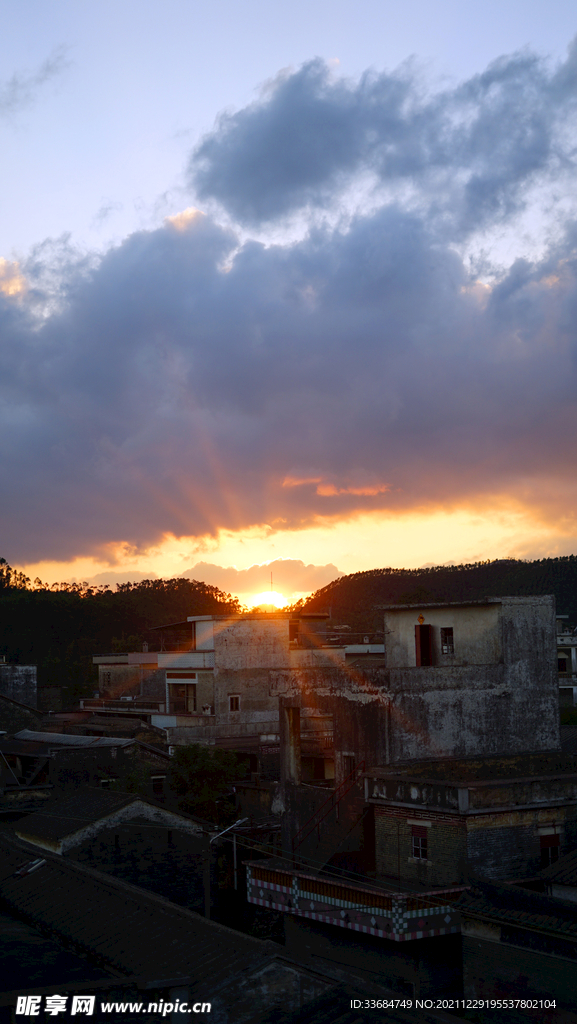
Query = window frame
x=447 y=641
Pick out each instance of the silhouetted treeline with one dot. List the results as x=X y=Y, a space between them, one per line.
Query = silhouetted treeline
x=59 y=628
x=351 y=599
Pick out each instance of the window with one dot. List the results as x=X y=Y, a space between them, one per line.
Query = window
x=349 y=765
x=419 y=842
x=158 y=785
x=233 y=702
x=549 y=850
x=447 y=645
x=561 y=664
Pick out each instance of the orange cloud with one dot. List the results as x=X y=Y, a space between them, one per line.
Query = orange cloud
x=12 y=282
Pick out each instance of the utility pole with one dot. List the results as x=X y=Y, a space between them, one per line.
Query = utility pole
x=206 y=872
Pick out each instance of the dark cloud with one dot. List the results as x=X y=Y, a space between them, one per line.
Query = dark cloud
x=290 y=576
x=188 y=382
x=21 y=89
x=468 y=151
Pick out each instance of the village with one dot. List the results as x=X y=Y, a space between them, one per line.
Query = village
x=402 y=824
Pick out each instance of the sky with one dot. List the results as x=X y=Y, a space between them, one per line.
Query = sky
x=286 y=286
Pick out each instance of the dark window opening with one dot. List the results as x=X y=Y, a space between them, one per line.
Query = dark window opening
x=158 y=785
x=419 y=842
x=233 y=702
x=549 y=850
x=447 y=644
x=561 y=664
x=424 y=645
x=181 y=697
x=349 y=765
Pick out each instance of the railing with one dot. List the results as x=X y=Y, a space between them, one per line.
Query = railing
x=388 y=914
x=327 y=806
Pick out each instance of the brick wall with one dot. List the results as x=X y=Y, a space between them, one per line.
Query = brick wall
x=497 y=846
x=447 y=839
x=507 y=845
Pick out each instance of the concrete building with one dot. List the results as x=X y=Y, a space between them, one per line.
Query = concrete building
x=220 y=681
x=566 y=662
x=19 y=683
x=467 y=680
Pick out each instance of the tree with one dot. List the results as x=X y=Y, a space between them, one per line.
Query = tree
x=201 y=778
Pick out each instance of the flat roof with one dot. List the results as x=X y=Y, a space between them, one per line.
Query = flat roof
x=525 y=599
x=480 y=770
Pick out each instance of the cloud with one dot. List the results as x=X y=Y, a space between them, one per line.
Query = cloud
x=193 y=379
x=468 y=153
x=290 y=576
x=112 y=578
x=21 y=89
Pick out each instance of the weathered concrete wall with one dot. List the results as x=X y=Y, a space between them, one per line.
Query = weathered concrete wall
x=19 y=683
x=476 y=634
x=251 y=644
x=401 y=714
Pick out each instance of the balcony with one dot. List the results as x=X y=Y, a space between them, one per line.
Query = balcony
x=384 y=913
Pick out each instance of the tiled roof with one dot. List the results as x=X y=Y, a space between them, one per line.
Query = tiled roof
x=129 y=930
x=64 y=817
x=509 y=904
x=564 y=872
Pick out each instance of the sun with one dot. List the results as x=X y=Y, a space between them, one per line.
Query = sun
x=269 y=597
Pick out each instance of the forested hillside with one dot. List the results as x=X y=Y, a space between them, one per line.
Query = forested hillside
x=352 y=599
x=59 y=628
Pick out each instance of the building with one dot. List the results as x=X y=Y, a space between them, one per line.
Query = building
x=520 y=945
x=220 y=680
x=81 y=817
x=566 y=661
x=441 y=822
x=144 y=948
x=34 y=765
x=19 y=682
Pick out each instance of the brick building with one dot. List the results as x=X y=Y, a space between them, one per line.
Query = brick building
x=439 y=822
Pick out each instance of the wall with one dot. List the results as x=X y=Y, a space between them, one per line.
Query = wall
x=493 y=969
x=476 y=634
x=447 y=847
x=251 y=644
x=496 y=846
x=386 y=716
x=422 y=969
x=19 y=683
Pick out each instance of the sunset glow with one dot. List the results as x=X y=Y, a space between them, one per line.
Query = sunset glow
x=270 y=598
x=330 y=329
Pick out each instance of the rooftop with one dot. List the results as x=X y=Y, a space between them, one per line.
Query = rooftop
x=564 y=872
x=531 y=599
x=509 y=904
x=61 y=818
x=59 y=739
x=130 y=930
x=480 y=770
